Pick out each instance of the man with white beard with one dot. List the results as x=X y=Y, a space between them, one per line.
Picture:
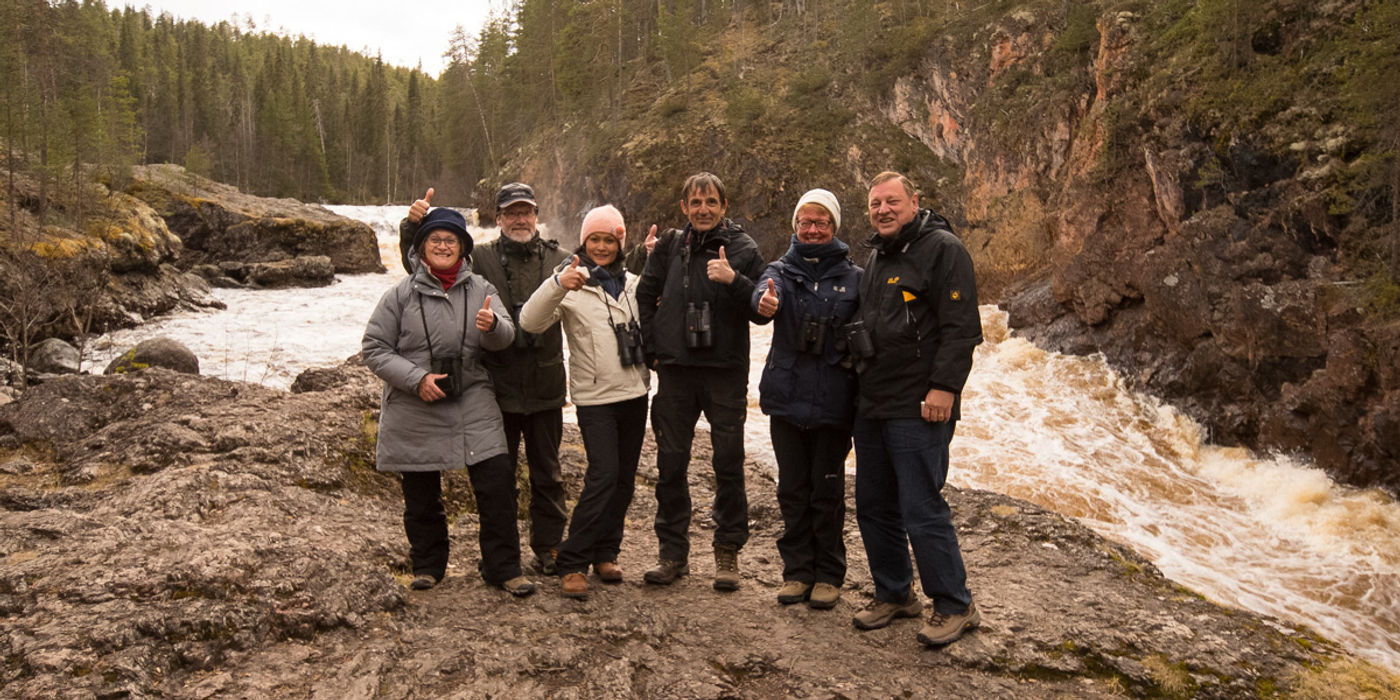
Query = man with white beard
x=529 y=375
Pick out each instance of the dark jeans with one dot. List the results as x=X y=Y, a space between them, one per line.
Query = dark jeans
x=682 y=394
x=612 y=437
x=901 y=466
x=812 y=496
x=425 y=521
x=542 y=431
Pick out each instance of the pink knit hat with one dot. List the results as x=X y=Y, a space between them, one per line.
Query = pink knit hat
x=604 y=218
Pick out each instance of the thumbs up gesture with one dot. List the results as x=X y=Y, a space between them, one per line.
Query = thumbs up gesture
x=573 y=277
x=651 y=239
x=486 y=318
x=719 y=270
x=419 y=209
x=768 y=303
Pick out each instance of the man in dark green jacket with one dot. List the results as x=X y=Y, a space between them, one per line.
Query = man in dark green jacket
x=529 y=375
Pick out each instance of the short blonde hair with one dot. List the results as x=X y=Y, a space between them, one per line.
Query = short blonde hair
x=888 y=175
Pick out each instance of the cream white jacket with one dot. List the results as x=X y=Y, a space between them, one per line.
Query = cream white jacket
x=596 y=375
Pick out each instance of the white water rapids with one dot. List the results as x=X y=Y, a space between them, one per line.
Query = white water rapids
x=1267 y=534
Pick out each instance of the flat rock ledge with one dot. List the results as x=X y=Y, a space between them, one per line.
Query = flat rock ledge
x=219 y=223
x=165 y=535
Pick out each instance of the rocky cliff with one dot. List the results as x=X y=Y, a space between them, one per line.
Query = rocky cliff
x=1201 y=191
x=218 y=223
x=167 y=535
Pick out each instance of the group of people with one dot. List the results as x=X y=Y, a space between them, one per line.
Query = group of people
x=469 y=346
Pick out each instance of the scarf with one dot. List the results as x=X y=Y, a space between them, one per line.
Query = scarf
x=817 y=258
x=612 y=278
x=448 y=276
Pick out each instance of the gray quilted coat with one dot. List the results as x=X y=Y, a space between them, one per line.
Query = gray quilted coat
x=415 y=435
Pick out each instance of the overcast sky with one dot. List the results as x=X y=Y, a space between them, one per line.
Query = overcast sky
x=404 y=34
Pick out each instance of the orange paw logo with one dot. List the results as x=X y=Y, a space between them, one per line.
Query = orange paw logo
x=955 y=295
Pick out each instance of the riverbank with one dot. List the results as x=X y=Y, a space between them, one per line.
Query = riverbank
x=178 y=536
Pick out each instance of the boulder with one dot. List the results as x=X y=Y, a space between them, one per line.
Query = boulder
x=303 y=271
x=156 y=352
x=54 y=356
x=218 y=223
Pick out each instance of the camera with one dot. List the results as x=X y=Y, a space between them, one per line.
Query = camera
x=858 y=340
x=811 y=337
x=451 y=385
x=697 y=326
x=629 y=343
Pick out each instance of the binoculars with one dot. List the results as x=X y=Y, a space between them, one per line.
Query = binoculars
x=858 y=340
x=629 y=343
x=697 y=326
x=811 y=336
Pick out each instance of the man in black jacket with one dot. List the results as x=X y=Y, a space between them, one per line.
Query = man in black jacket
x=693 y=300
x=919 y=307
x=529 y=375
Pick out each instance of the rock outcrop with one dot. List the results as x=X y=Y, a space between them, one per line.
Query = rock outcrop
x=163 y=534
x=218 y=223
x=114 y=272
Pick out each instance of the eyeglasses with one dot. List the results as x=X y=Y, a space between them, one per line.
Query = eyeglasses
x=443 y=241
x=814 y=224
x=516 y=213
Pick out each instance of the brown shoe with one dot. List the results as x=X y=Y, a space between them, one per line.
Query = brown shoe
x=726 y=568
x=608 y=571
x=666 y=572
x=823 y=596
x=945 y=629
x=574 y=585
x=793 y=592
x=880 y=613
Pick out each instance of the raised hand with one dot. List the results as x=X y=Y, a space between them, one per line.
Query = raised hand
x=768 y=303
x=420 y=208
x=486 y=318
x=651 y=239
x=718 y=270
x=573 y=277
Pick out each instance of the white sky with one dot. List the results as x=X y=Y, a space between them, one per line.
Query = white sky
x=403 y=34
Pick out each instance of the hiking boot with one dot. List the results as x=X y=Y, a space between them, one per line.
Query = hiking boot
x=726 y=568
x=666 y=572
x=574 y=585
x=824 y=596
x=793 y=592
x=423 y=582
x=519 y=586
x=608 y=571
x=945 y=629
x=544 y=563
x=880 y=613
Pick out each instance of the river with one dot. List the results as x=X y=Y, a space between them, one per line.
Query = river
x=1269 y=534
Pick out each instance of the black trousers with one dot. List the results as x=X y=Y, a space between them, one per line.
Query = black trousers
x=683 y=393
x=812 y=498
x=612 y=437
x=542 y=431
x=425 y=520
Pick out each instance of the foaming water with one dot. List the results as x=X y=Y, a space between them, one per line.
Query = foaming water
x=271 y=336
x=1271 y=535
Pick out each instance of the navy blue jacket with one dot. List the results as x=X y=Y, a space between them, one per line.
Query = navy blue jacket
x=919 y=302
x=803 y=388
